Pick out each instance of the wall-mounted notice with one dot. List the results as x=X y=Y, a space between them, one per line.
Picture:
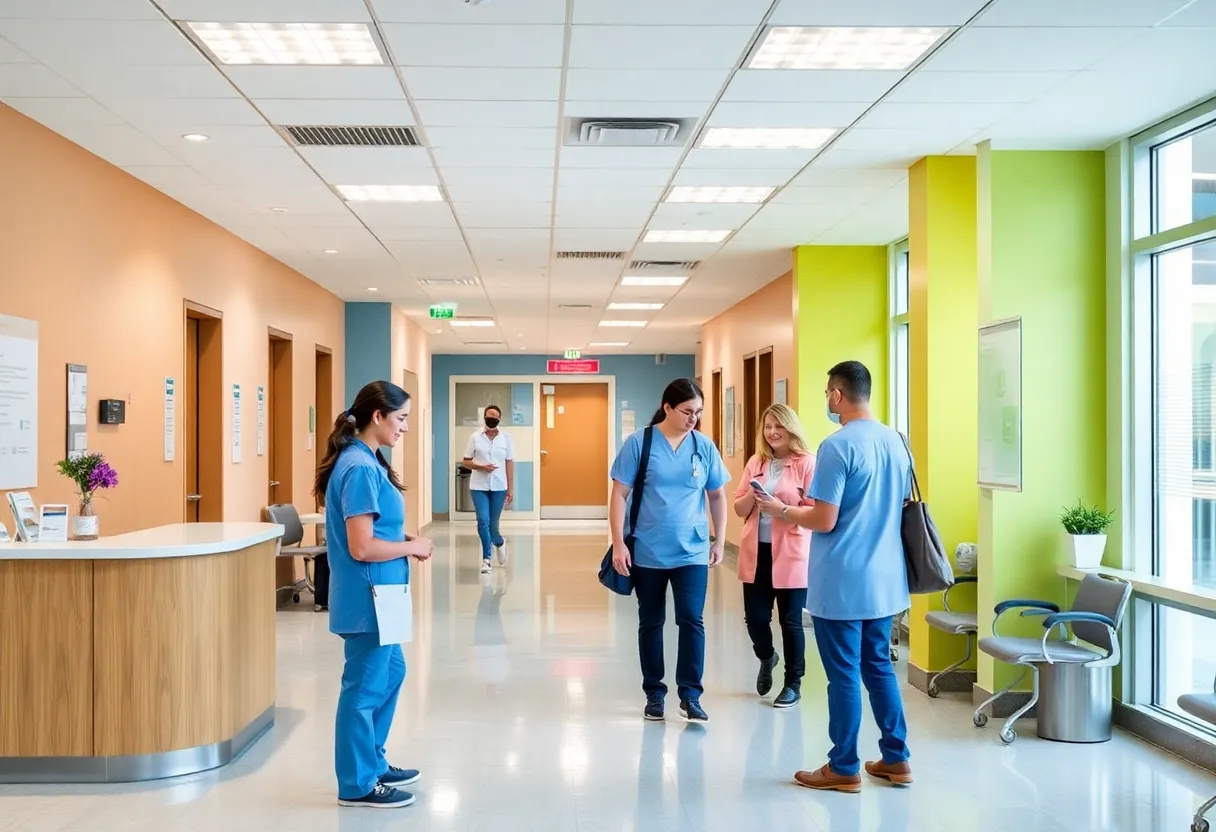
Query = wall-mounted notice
x=1000 y=405
x=312 y=426
x=629 y=424
x=78 y=404
x=170 y=418
x=261 y=421
x=728 y=422
x=780 y=393
x=18 y=403
x=236 y=423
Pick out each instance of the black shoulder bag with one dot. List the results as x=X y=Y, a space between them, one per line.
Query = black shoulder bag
x=609 y=577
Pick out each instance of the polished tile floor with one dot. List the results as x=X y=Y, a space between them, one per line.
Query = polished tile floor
x=523 y=708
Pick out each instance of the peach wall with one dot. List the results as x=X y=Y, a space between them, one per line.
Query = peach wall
x=412 y=352
x=104 y=263
x=764 y=319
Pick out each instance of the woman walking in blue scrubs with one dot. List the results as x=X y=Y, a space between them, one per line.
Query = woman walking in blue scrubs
x=365 y=518
x=671 y=544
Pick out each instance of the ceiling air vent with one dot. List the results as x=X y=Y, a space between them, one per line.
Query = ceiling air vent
x=629 y=132
x=574 y=306
x=339 y=136
x=591 y=255
x=678 y=265
x=484 y=343
x=447 y=281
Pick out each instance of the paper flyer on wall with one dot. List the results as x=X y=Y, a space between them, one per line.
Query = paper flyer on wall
x=25 y=516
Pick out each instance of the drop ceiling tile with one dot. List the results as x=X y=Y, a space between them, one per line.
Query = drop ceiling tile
x=962 y=87
x=499 y=177
x=445 y=11
x=804 y=85
x=376 y=82
x=79 y=10
x=756 y=177
x=927 y=116
x=632 y=85
x=57 y=112
x=875 y=13
x=609 y=194
x=674 y=251
x=503 y=215
x=634 y=109
x=686 y=13
x=209 y=200
x=10 y=54
x=185 y=115
x=784 y=217
x=159 y=176
x=482 y=84
x=171 y=136
x=622 y=157
x=1201 y=14
x=612 y=177
x=33 y=81
x=241 y=165
x=597 y=239
x=106 y=81
x=837 y=178
x=412 y=234
x=346 y=112
x=1079 y=12
x=500 y=137
x=488 y=114
x=1028 y=49
x=464 y=45
x=658 y=47
x=843 y=196
x=864 y=159
x=119 y=145
x=417 y=215
x=701 y=216
x=344 y=240
x=280 y=11
x=507 y=238
x=483 y=192
x=728 y=159
x=796 y=114
x=329 y=219
x=477 y=157
x=371 y=165
x=910 y=142
x=579 y=214
x=263 y=199
x=75 y=42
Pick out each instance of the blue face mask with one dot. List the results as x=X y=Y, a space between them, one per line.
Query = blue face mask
x=832 y=417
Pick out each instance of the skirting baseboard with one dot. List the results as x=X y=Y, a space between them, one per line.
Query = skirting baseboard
x=440 y=516
x=1189 y=744
x=1006 y=705
x=956 y=681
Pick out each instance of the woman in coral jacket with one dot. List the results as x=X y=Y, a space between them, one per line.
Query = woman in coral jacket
x=773 y=553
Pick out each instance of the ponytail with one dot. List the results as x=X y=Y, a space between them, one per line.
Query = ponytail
x=381 y=397
x=659 y=416
x=675 y=394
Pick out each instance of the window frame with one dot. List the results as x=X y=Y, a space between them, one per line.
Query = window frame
x=899 y=406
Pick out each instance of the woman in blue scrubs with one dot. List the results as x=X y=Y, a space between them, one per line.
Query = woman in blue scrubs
x=671 y=543
x=365 y=518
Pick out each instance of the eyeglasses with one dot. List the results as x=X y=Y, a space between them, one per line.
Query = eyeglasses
x=691 y=414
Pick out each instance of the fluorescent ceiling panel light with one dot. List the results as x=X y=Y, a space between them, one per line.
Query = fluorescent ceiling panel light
x=608 y=344
x=638 y=324
x=636 y=307
x=767 y=138
x=372 y=289
x=690 y=236
x=196 y=137
x=471 y=322
x=712 y=193
x=448 y=281
x=390 y=193
x=646 y=280
x=331 y=251
x=862 y=47
x=326 y=44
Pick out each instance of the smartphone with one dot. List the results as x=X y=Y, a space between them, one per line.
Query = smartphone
x=755 y=484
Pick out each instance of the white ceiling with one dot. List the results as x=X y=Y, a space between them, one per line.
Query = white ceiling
x=487 y=87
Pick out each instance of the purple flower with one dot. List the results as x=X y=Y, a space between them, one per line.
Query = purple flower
x=102 y=476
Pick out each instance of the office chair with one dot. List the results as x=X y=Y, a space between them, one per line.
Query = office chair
x=1202 y=706
x=956 y=624
x=1095 y=617
x=286 y=516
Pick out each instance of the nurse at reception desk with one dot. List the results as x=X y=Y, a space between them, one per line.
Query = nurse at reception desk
x=138 y=656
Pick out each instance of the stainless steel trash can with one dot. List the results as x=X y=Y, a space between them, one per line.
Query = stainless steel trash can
x=464 y=492
x=1075 y=703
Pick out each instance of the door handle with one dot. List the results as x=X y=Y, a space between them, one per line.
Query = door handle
x=544 y=453
x=193 y=498
x=273 y=483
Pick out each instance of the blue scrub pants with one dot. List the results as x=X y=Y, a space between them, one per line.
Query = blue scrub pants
x=855 y=652
x=371 y=682
x=488 y=505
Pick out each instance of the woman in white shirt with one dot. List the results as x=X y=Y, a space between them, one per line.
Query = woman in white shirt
x=491 y=457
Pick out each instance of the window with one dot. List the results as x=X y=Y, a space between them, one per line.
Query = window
x=900 y=416
x=1184 y=179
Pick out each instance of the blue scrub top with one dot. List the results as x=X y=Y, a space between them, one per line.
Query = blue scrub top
x=857 y=570
x=673 y=528
x=360 y=485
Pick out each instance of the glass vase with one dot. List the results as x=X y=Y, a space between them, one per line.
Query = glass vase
x=85 y=523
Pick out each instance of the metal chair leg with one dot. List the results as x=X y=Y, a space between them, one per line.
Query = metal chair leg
x=979 y=718
x=1200 y=824
x=932 y=689
x=1008 y=735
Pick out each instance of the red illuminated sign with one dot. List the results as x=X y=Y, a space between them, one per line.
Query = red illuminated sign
x=587 y=366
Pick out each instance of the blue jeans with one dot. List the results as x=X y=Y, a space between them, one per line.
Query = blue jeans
x=371 y=682
x=853 y=652
x=688 y=586
x=488 y=505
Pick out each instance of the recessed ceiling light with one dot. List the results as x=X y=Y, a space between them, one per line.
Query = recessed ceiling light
x=471 y=322
x=331 y=251
x=624 y=323
x=648 y=280
x=372 y=289
x=636 y=307
x=289 y=43
x=686 y=236
x=608 y=344
x=196 y=137
x=690 y=193
x=849 y=47
x=390 y=193
x=767 y=138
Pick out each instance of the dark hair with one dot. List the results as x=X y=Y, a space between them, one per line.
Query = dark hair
x=852 y=379
x=381 y=397
x=679 y=391
x=493 y=407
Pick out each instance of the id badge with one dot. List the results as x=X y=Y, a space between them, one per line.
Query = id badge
x=696 y=470
x=394 y=613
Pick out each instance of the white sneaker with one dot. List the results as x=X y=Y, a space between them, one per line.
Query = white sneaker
x=502 y=552
x=486 y=567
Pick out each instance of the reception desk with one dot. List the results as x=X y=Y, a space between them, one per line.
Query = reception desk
x=138 y=656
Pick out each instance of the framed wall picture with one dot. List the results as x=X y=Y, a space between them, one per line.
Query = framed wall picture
x=728 y=428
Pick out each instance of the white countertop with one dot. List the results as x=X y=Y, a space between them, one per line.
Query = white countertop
x=173 y=541
x=1183 y=595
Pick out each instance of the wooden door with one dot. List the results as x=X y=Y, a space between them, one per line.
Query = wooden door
x=409 y=451
x=715 y=407
x=278 y=419
x=750 y=412
x=323 y=413
x=188 y=401
x=202 y=414
x=574 y=452
x=764 y=383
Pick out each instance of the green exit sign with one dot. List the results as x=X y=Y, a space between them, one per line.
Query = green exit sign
x=443 y=311
x=573 y=354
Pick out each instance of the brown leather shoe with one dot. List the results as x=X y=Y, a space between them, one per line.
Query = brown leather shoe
x=827 y=780
x=899 y=774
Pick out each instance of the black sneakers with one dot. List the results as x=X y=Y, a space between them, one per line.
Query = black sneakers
x=691 y=710
x=395 y=777
x=654 y=707
x=788 y=698
x=381 y=797
x=764 y=679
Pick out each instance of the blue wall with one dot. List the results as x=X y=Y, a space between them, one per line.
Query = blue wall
x=639 y=385
x=369 y=346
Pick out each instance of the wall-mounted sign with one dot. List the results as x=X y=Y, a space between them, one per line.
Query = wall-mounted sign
x=583 y=366
x=443 y=311
x=573 y=355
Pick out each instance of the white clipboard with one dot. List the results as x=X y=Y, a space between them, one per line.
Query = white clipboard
x=394 y=613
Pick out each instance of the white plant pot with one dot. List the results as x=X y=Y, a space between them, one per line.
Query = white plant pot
x=1087 y=550
x=85 y=527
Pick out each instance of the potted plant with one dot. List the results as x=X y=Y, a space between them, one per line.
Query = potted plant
x=1086 y=528
x=91 y=473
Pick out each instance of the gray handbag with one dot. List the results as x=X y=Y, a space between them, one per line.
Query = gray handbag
x=929 y=569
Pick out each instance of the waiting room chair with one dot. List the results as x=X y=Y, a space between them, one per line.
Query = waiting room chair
x=1201 y=706
x=286 y=516
x=956 y=624
x=1095 y=618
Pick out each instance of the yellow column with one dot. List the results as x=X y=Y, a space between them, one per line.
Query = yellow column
x=942 y=323
x=842 y=315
